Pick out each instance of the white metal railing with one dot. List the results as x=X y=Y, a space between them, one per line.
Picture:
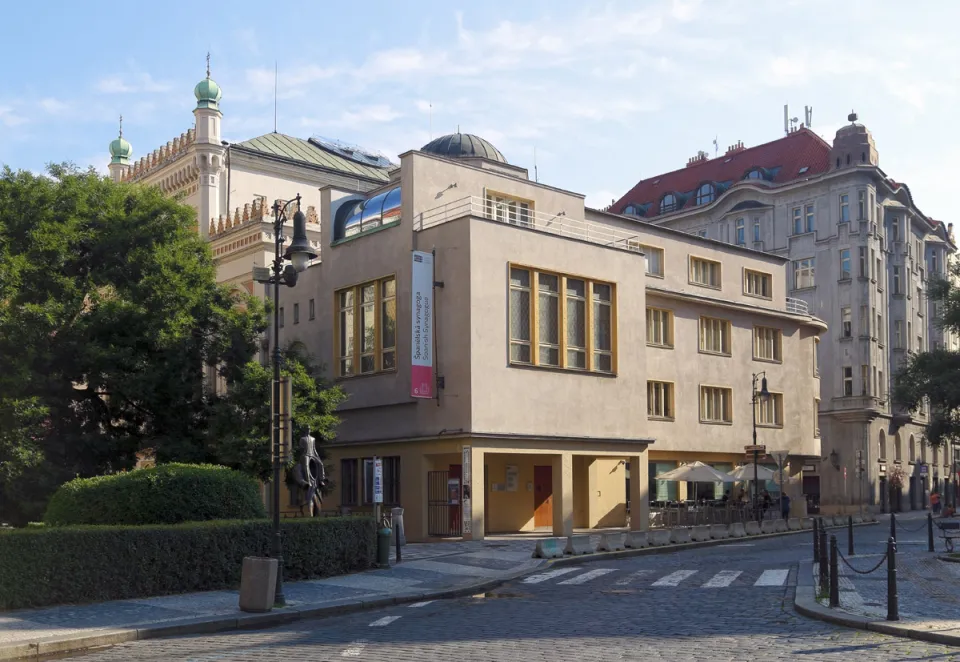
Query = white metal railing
x=797 y=306
x=515 y=214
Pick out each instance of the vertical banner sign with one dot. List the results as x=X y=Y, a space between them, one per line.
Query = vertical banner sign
x=421 y=337
x=378 y=480
x=467 y=496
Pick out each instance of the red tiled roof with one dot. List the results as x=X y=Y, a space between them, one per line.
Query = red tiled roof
x=790 y=153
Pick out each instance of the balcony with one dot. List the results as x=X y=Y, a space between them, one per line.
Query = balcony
x=509 y=214
x=797 y=306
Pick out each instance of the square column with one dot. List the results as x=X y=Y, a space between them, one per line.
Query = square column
x=639 y=492
x=562 y=494
x=473 y=494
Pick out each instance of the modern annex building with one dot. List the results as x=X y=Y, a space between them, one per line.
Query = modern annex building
x=860 y=255
x=516 y=360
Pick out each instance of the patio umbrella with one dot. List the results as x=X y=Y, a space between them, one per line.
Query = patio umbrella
x=746 y=473
x=696 y=472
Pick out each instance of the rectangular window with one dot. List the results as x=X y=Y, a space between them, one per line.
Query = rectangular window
x=507 y=209
x=810 y=219
x=920 y=301
x=367 y=487
x=804 y=272
x=756 y=229
x=875 y=387
x=348 y=482
x=312 y=309
x=896 y=228
x=797 y=220
x=281 y=317
x=714 y=335
x=572 y=321
x=770 y=411
x=654 y=259
x=296 y=313
x=715 y=405
x=367 y=328
x=878 y=274
x=896 y=280
x=846 y=323
x=861 y=205
x=898 y=334
x=767 y=343
x=847 y=380
x=844 y=264
x=741 y=233
x=863 y=262
x=864 y=380
x=816 y=418
x=660 y=400
x=816 y=357
x=391 y=480
x=704 y=272
x=934 y=267
x=879 y=328
x=757 y=284
x=864 y=322
x=844 y=208
x=909 y=336
x=659 y=327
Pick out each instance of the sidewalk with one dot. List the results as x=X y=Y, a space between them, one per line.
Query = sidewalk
x=928 y=589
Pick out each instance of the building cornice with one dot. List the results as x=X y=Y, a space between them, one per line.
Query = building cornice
x=449 y=435
x=809 y=320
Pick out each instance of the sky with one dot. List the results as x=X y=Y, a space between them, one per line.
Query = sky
x=597 y=95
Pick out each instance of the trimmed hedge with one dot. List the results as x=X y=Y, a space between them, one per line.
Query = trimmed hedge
x=69 y=565
x=167 y=494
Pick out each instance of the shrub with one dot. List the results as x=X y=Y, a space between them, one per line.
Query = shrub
x=167 y=494
x=65 y=565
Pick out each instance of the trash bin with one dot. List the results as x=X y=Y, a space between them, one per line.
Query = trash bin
x=397 y=514
x=258 y=584
x=383 y=547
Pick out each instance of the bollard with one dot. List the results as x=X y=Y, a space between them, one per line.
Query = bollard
x=816 y=541
x=850 y=536
x=893 y=525
x=824 y=579
x=834 y=574
x=398 y=545
x=893 y=605
x=929 y=532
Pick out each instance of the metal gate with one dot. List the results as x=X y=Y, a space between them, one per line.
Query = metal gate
x=443 y=517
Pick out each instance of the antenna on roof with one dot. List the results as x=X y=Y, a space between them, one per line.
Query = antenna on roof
x=536 y=176
x=276 y=74
x=716 y=147
x=808 y=116
x=786 y=119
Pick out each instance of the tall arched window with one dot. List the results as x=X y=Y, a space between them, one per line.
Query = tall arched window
x=897 y=449
x=912 y=449
x=706 y=193
x=668 y=203
x=882 y=446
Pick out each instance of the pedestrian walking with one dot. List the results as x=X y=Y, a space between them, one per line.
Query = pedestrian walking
x=785 y=507
x=935 y=502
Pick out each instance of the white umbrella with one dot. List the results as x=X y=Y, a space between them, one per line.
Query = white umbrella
x=696 y=472
x=746 y=473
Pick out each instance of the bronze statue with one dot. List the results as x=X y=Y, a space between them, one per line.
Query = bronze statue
x=310 y=475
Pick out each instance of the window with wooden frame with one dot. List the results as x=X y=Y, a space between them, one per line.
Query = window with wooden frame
x=654 y=259
x=715 y=336
x=659 y=327
x=716 y=404
x=348 y=482
x=816 y=357
x=770 y=411
x=767 y=344
x=757 y=284
x=509 y=209
x=704 y=272
x=570 y=324
x=660 y=400
x=366 y=330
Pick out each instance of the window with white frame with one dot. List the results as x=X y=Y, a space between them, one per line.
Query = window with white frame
x=897 y=287
x=714 y=335
x=804 y=273
x=715 y=404
x=898 y=334
x=846 y=323
x=864 y=380
x=704 y=272
x=770 y=410
x=757 y=283
x=508 y=209
x=861 y=205
x=741 y=232
x=844 y=208
x=660 y=400
x=797 y=220
x=659 y=327
x=808 y=213
x=844 y=264
x=767 y=343
x=756 y=229
x=654 y=259
x=847 y=372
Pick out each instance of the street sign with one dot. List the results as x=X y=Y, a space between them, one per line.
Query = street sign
x=377 y=480
x=924 y=471
x=749 y=457
x=759 y=448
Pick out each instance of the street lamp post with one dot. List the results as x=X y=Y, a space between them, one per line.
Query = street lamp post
x=763 y=394
x=299 y=253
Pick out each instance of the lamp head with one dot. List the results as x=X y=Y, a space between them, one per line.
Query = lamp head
x=764 y=393
x=299 y=252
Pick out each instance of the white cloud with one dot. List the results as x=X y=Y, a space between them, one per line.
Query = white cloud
x=54 y=106
x=10 y=118
x=356 y=118
x=132 y=82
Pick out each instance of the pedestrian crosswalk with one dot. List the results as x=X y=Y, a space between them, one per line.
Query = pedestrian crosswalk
x=574 y=576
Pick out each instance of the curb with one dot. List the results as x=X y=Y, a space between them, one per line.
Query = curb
x=805 y=602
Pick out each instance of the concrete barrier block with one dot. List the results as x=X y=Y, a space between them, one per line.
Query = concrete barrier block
x=857 y=519
x=793 y=524
x=719 y=531
x=635 y=540
x=680 y=534
x=806 y=523
x=768 y=526
x=577 y=545
x=659 y=537
x=780 y=525
x=700 y=533
x=550 y=548
x=869 y=517
x=610 y=542
x=751 y=528
x=737 y=530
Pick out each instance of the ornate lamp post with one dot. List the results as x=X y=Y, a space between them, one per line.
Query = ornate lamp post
x=299 y=253
x=758 y=396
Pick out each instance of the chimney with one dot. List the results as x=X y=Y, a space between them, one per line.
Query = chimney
x=733 y=149
x=699 y=158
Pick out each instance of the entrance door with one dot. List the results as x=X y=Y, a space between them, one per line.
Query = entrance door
x=811 y=491
x=543 y=496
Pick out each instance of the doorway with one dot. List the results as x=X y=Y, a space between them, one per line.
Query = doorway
x=542 y=496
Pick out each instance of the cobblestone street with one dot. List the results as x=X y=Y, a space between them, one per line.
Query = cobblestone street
x=731 y=602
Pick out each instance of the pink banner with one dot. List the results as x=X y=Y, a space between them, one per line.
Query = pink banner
x=421 y=332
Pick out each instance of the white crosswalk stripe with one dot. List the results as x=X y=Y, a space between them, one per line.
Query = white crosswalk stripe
x=723 y=578
x=772 y=578
x=587 y=576
x=544 y=576
x=624 y=581
x=674 y=578
x=381 y=622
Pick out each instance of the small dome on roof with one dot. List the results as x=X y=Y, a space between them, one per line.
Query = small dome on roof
x=120 y=149
x=207 y=91
x=463 y=145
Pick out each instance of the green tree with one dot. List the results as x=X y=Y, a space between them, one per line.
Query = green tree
x=934 y=375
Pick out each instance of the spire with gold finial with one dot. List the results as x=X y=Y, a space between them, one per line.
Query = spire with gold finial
x=207 y=91
x=120 y=149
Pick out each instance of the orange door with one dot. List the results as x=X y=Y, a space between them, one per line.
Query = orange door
x=543 y=496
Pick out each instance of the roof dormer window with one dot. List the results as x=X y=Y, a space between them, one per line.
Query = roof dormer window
x=668 y=203
x=635 y=210
x=756 y=173
x=706 y=194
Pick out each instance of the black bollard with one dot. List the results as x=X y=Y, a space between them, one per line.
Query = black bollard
x=824 y=579
x=929 y=532
x=834 y=574
x=397 y=534
x=893 y=526
x=893 y=604
x=816 y=541
x=850 y=535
